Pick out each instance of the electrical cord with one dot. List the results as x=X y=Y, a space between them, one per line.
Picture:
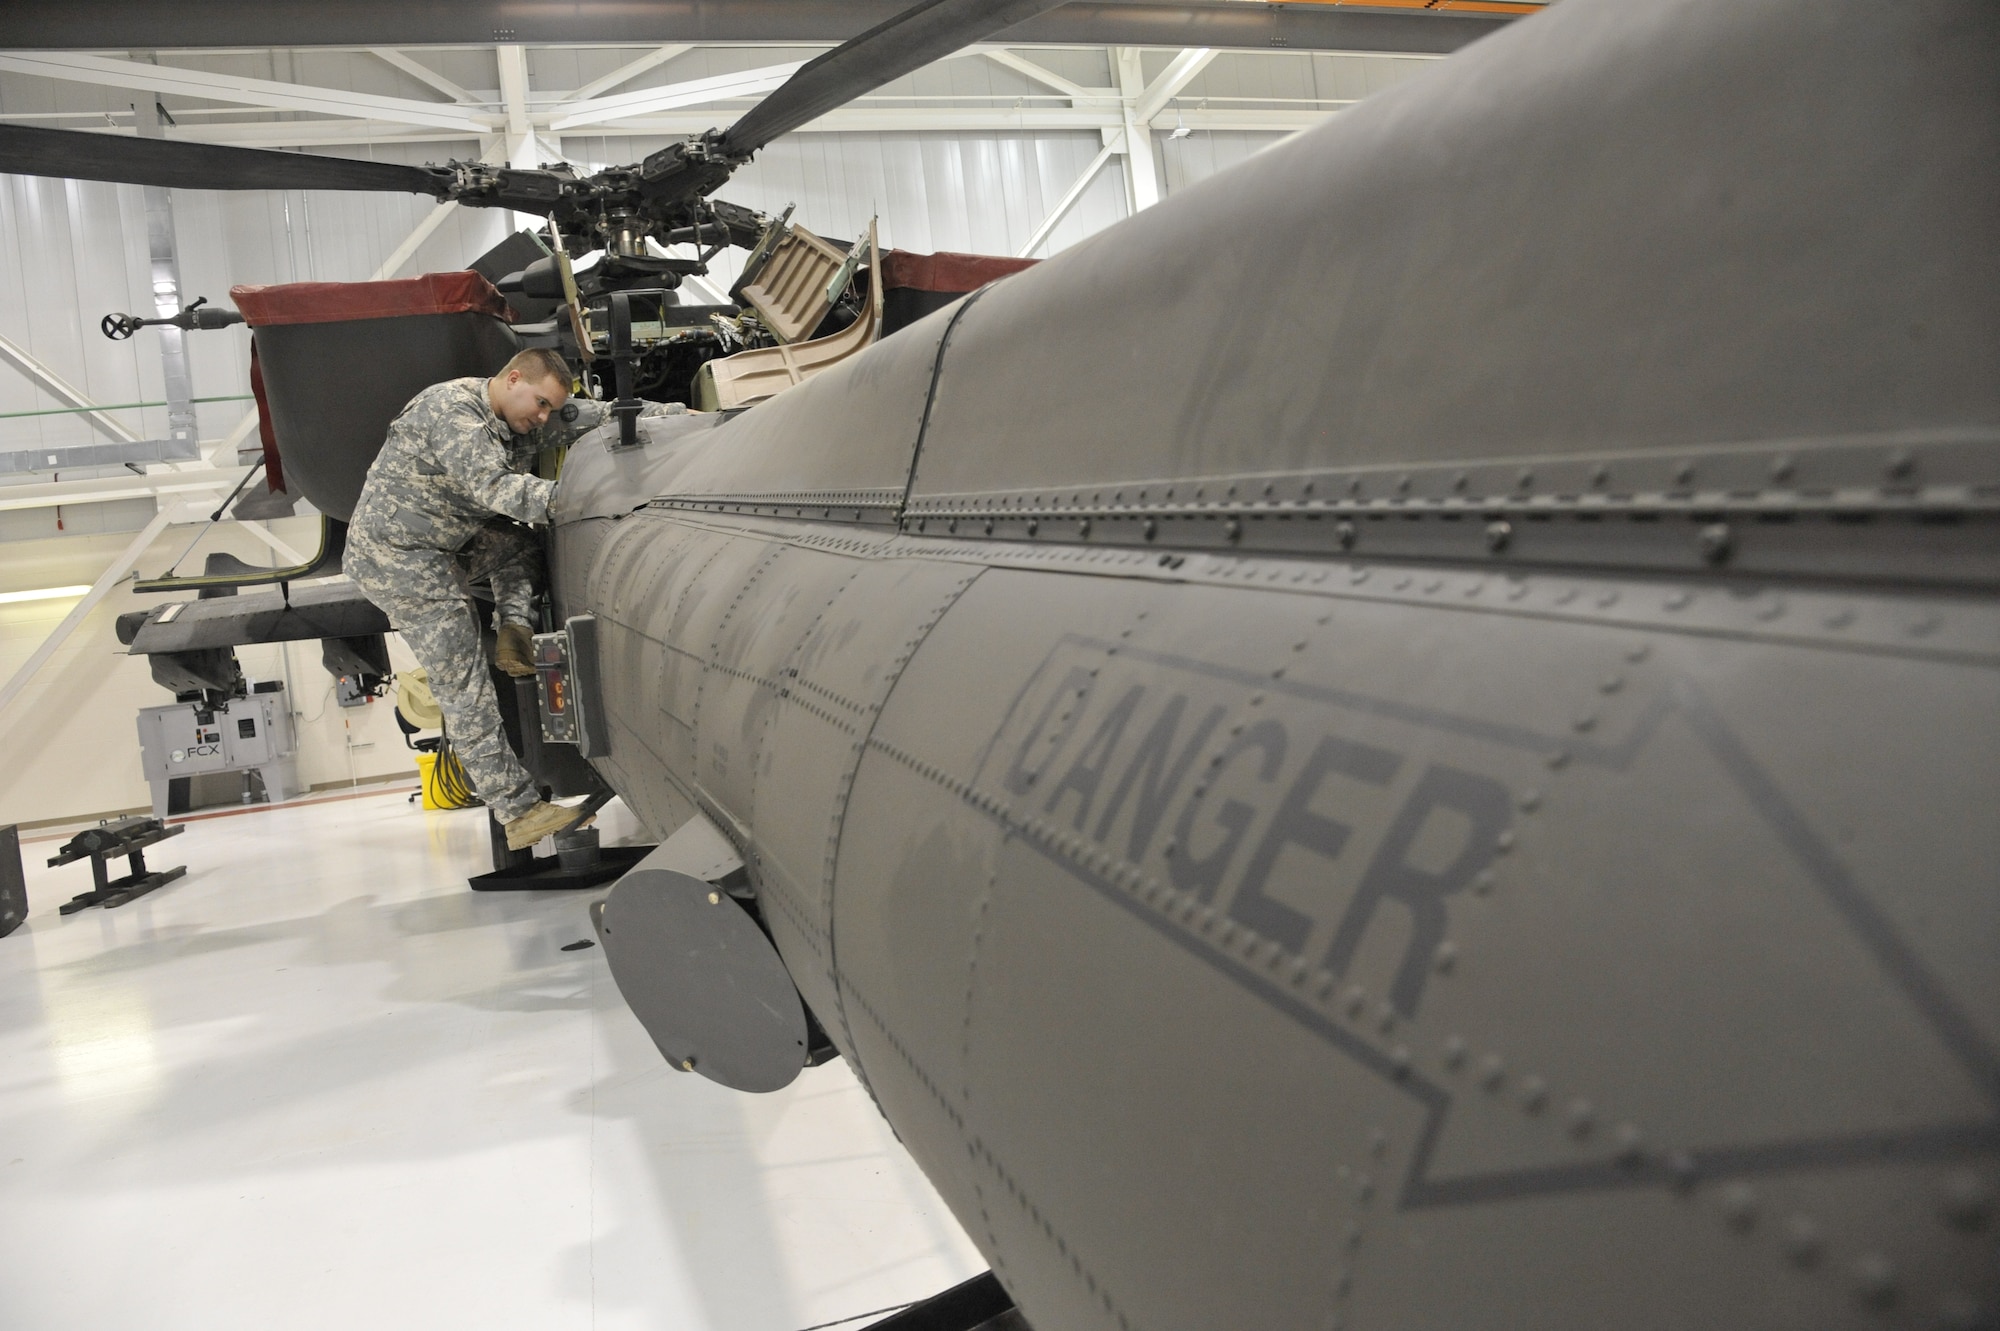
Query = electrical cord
x=324 y=699
x=446 y=786
x=450 y=787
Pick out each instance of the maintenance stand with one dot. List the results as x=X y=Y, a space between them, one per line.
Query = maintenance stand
x=579 y=861
x=127 y=837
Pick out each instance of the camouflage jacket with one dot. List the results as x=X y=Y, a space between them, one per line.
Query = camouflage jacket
x=449 y=464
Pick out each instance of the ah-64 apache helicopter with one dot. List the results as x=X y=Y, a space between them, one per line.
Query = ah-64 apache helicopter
x=1405 y=739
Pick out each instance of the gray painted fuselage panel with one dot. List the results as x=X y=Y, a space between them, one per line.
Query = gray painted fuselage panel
x=1473 y=894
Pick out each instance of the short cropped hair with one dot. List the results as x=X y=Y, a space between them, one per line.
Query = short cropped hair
x=537 y=364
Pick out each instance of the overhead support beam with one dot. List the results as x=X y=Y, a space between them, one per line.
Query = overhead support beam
x=51 y=494
x=107 y=580
x=1142 y=174
x=521 y=148
x=102 y=24
x=55 y=385
x=628 y=71
x=1180 y=72
x=673 y=96
x=1076 y=92
x=424 y=74
x=520 y=131
x=106 y=72
x=1068 y=201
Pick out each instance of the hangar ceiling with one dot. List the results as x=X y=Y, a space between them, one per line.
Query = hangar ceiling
x=1434 y=27
x=514 y=78
x=494 y=95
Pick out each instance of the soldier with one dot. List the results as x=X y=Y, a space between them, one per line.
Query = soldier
x=453 y=484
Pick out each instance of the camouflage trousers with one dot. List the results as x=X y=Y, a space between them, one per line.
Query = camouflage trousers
x=509 y=556
x=422 y=592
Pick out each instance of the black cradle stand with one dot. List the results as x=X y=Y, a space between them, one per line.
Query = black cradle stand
x=126 y=838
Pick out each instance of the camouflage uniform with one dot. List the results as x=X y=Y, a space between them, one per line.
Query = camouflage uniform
x=509 y=557
x=448 y=466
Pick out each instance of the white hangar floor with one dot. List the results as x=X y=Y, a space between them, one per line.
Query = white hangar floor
x=319 y=1083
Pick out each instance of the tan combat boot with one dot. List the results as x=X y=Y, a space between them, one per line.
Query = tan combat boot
x=515 y=653
x=544 y=819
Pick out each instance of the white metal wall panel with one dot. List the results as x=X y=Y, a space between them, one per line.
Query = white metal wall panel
x=1204 y=152
x=1293 y=80
x=76 y=245
x=76 y=251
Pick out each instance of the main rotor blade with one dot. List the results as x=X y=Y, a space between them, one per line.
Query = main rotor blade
x=887 y=51
x=31 y=150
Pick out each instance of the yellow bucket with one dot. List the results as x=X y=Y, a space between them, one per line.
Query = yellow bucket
x=427 y=779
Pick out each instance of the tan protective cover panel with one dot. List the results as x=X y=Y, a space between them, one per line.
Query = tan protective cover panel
x=752 y=376
x=789 y=292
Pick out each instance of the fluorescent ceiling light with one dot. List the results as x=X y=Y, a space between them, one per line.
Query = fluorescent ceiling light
x=44 y=594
